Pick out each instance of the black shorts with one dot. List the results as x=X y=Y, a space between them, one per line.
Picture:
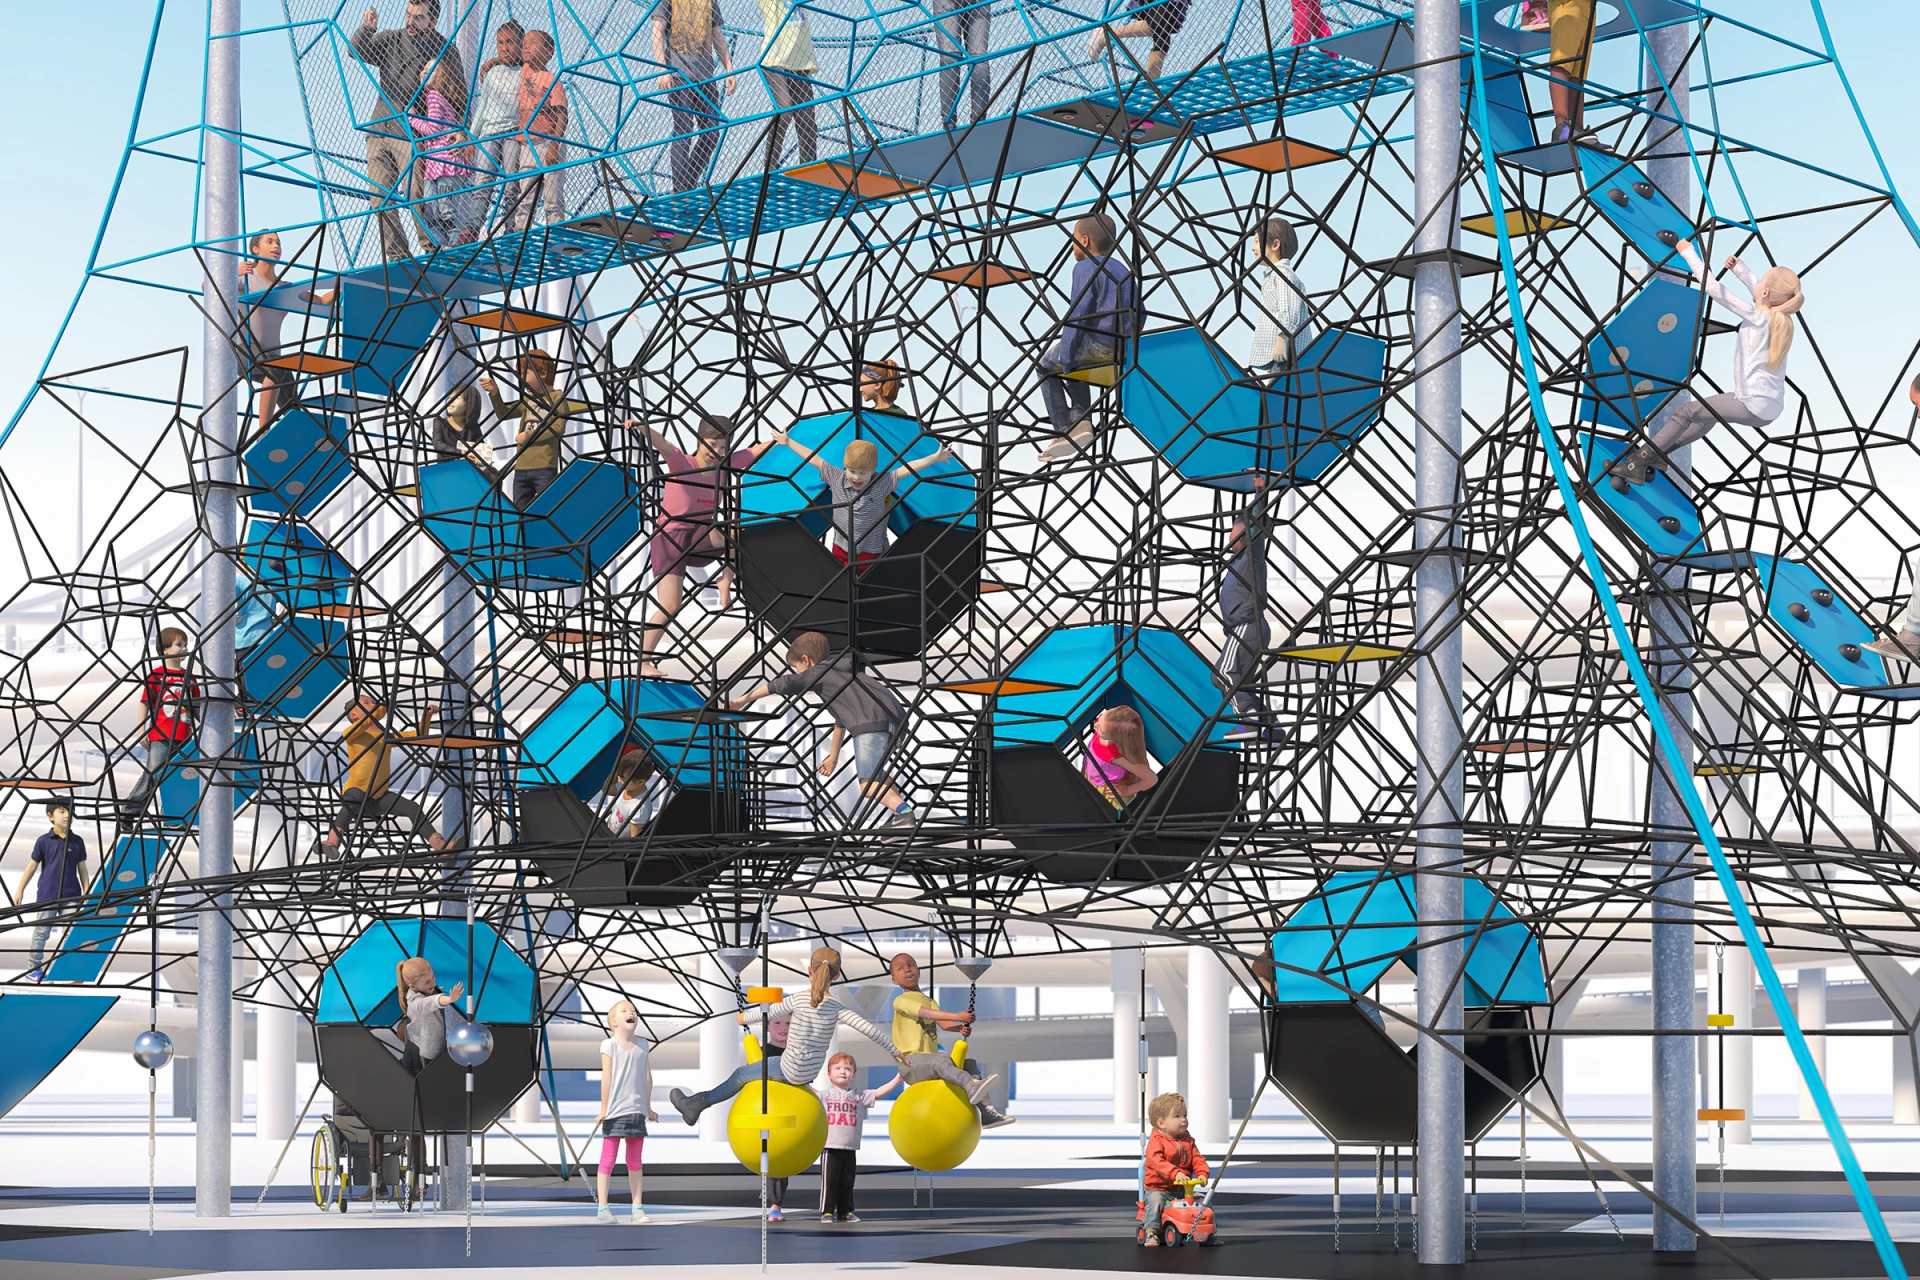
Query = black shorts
x=262 y=373
x=1163 y=20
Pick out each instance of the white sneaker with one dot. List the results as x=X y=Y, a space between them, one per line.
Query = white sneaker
x=1097 y=43
x=603 y=1214
x=1082 y=434
x=1904 y=645
x=979 y=1090
x=638 y=1215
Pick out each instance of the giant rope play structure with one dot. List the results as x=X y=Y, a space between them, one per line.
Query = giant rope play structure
x=1511 y=722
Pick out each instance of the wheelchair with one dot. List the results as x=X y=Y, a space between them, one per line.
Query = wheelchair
x=351 y=1161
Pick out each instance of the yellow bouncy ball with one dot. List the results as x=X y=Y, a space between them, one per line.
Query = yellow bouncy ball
x=795 y=1121
x=932 y=1125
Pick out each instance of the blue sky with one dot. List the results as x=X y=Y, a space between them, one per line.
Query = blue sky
x=70 y=115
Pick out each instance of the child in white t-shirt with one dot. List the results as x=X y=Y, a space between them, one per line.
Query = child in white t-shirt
x=846 y=1113
x=626 y=1102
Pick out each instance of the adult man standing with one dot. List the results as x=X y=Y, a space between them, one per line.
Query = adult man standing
x=404 y=57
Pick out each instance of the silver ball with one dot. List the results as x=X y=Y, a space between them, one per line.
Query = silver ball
x=153 y=1049
x=470 y=1044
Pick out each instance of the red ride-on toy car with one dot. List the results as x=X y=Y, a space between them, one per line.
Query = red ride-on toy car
x=1181 y=1220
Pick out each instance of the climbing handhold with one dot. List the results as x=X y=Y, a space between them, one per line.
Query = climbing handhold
x=1670 y=523
x=1667 y=238
x=1799 y=611
x=1822 y=597
x=1851 y=652
x=1618 y=196
x=1643 y=189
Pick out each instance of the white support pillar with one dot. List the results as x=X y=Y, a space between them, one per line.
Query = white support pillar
x=1128 y=974
x=276 y=1020
x=1739 y=1048
x=1810 y=1006
x=1208 y=1080
x=719 y=1045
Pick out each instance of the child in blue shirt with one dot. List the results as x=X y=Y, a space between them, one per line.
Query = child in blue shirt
x=1102 y=316
x=60 y=858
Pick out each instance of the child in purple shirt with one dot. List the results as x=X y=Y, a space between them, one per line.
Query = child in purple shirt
x=60 y=859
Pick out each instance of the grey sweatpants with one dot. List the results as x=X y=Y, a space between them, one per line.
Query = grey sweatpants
x=1697 y=417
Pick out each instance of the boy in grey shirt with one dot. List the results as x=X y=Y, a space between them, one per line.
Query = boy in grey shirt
x=863 y=709
x=862 y=495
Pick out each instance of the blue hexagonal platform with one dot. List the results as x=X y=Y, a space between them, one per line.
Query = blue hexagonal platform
x=1218 y=426
x=1814 y=616
x=1642 y=356
x=299 y=461
x=567 y=534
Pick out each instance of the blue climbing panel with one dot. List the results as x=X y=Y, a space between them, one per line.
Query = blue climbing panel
x=1832 y=634
x=300 y=460
x=1360 y=923
x=1638 y=210
x=1642 y=356
x=40 y=1030
x=577 y=742
x=568 y=533
x=297 y=667
x=1216 y=426
x=361 y=985
x=179 y=789
x=385 y=321
x=1643 y=507
x=780 y=486
x=111 y=907
x=1154 y=671
x=295 y=564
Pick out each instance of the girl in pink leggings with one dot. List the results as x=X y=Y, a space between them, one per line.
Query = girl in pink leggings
x=626 y=1093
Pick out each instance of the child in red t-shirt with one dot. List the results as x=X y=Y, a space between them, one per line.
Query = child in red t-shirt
x=169 y=694
x=1171 y=1154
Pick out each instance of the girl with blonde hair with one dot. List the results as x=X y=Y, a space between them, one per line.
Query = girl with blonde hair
x=1759 y=365
x=626 y=1103
x=1116 y=757
x=815 y=1013
x=424 y=1003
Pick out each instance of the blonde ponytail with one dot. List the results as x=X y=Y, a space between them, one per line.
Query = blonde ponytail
x=1778 y=281
x=822 y=968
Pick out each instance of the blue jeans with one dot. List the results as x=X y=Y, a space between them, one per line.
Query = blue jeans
x=42 y=930
x=870 y=754
x=964 y=32
x=745 y=1074
x=529 y=484
x=447 y=214
x=1069 y=400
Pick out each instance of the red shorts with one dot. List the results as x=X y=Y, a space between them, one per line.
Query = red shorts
x=678 y=545
x=863 y=559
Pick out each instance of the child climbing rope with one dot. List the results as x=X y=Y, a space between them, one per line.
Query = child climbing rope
x=1759 y=365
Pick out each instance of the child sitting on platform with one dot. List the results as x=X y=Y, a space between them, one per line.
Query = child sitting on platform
x=636 y=796
x=863 y=709
x=862 y=496
x=1171 y=1154
x=1285 y=324
x=1116 y=756
x=1102 y=317
x=1759 y=366
x=846 y=1114
x=424 y=1005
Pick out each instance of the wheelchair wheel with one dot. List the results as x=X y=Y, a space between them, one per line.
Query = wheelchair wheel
x=326 y=1170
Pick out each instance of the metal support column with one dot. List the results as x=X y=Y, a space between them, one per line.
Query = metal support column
x=1675 y=1070
x=1441 y=1168
x=219 y=443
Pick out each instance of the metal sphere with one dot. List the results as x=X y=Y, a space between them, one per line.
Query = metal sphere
x=153 y=1049
x=470 y=1044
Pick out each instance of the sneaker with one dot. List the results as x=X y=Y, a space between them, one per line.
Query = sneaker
x=678 y=1098
x=903 y=818
x=1636 y=466
x=603 y=1214
x=991 y=1119
x=1585 y=137
x=1082 y=434
x=826 y=1217
x=774 y=1215
x=1097 y=44
x=1563 y=133
x=1243 y=733
x=1152 y=1240
x=1058 y=448
x=979 y=1090
x=1904 y=645
x=852 y=1217
x=638 y=1216
x=36 y=974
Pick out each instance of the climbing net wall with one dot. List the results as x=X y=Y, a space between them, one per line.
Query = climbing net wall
x=672 y=267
